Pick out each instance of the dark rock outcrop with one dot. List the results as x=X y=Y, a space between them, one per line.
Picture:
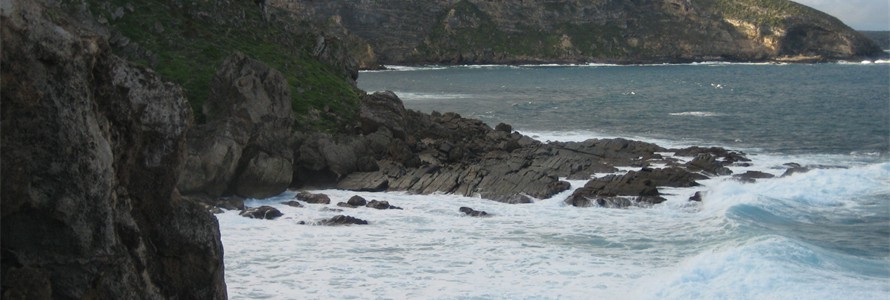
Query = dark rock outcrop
x=262 y=212
x=353 y=202
x=91 y=150
x=293 y=203
x=450 y=154
x=752 y=176
x=617 y=191
x=313 y=198
x=377 y=204
x=343 y=220
x=246 y=146
x=697 y=197
x=709 y=164
x=473 y=213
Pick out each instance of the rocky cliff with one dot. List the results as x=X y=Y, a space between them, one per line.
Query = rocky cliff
x=91 y=149
x=513 y=31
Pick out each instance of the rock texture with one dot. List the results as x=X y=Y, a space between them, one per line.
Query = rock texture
x=405 y=150
x=484 y=31
x=91 y=148
x=245 y=148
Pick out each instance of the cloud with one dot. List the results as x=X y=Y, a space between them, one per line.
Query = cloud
x=859 y=14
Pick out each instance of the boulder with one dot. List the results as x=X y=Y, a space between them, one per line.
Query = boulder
x=381 y=205
x=473 y=213
x=262 y=212
x=357 y=201
x=383 y=109
x=91 y=150
x=343 y=220
x=313 y=198
x=293 y=203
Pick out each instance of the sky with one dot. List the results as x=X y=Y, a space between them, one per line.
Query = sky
x=859 y=14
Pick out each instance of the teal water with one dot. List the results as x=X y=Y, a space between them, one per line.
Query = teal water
x=825 y=108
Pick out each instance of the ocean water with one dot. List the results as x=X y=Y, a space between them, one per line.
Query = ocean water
x=824 y=234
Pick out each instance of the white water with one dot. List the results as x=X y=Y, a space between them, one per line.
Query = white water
x=547 y=250
x=824 y=234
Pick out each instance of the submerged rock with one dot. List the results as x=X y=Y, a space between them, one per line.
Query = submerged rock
x=262 y=212
x=343 y=220
x=313 y=198
x=473 y=213
x=752 y=176
x=381 y=205
x=293 y=203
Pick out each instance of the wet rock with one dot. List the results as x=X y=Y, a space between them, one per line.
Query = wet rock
x=331 y=209
x=752 y=176
x=262 y=212
x=313 y=198
x=381 y=205
x=293 y=203
x=617 y=191
x=729 y=157
x=473 y=213
x=357 y=201
x=708 y=163
x=343 y=220
x=697 y=197
x=364 y=182
x=794 y=168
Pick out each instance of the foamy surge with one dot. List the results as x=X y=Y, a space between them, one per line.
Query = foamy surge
x=816 y=235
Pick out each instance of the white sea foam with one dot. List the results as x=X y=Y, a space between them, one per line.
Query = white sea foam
x=410 y=96
x=766 y=268
x=696 y=114
x=549 y=250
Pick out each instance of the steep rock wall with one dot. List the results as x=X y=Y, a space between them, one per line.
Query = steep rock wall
x=91 y=151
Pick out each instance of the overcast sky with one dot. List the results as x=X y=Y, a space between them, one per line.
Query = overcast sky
x=859 y=14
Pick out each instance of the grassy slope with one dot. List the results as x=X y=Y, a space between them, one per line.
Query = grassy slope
x=198 y=35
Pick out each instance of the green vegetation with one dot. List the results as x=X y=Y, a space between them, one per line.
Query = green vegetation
x=763 y=12
x=469 y=31
x=186 y=41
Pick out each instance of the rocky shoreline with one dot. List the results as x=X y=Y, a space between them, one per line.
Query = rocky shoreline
x=108 y=180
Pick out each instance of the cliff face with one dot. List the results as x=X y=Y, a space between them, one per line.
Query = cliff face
x=91 y=149
x=485 y=31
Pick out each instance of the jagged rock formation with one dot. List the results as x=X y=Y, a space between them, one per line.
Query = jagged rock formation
x=245 y=147
x=91 y=150
x=405 y=150
x=505 y=31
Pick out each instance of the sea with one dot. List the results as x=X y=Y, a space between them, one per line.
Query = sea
x=823 y=234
